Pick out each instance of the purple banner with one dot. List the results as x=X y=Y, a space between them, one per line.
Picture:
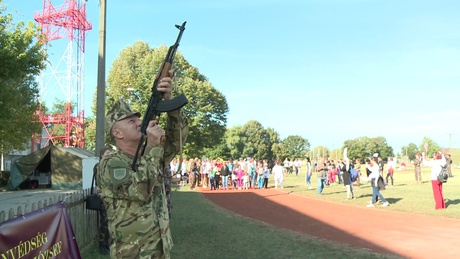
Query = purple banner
x=44 y=233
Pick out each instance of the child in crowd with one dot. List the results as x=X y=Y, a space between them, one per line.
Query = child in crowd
x=234 y=180
x=239 y=174
x=260 y=175
x=266 y=175
x=212 y=180
x=246 y=181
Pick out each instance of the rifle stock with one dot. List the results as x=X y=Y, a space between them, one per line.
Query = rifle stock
x=156 y=104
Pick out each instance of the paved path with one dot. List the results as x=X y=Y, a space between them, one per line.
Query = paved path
x=403 y=234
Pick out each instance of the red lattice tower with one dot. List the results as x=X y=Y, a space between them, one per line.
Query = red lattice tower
x=65 y=21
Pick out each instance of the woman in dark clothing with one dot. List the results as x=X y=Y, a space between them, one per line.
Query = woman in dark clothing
x=224 y=172
x=345 y=168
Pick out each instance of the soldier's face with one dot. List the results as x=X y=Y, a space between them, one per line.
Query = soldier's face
x=128 y=129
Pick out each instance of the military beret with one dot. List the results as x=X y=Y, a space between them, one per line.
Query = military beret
x=120 y=111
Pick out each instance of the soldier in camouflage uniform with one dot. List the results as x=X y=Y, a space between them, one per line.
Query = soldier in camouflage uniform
x=418 y=168
x=104 y=236
x=136 y=200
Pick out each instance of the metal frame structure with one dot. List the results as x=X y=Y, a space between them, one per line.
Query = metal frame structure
x=65 y=21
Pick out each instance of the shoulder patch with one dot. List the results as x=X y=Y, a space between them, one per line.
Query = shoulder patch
x=119 y=173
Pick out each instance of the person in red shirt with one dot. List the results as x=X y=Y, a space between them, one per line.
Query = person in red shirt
x=218 y=166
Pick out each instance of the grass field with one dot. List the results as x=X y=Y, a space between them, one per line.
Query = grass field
x=455 y=155
x=202 y=230
x=405 y=196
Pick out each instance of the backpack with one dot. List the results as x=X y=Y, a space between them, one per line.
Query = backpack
x=443 y=176
x=353 y=174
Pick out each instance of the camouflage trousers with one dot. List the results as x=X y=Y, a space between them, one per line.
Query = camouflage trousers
x=104 y=236
x=146 y=245
x=418 y=174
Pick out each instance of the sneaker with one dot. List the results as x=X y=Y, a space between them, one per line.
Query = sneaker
x=385 y=204
x=370 y=205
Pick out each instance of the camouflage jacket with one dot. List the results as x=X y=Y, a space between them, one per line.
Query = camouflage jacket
x=136 y=201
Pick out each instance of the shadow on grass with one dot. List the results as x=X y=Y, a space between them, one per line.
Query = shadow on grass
x=332 y=193
x=257 y=207
x=393 y=200
x=452 y=202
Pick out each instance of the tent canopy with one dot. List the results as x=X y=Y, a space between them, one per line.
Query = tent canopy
x=64 y=165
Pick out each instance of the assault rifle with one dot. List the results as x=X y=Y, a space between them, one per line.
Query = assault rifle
x=156 y=105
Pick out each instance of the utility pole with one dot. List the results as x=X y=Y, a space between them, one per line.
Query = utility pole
x=407 y=158
x=450 y=140
x=100 y=102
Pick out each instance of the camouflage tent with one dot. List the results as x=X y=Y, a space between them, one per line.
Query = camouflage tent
x=51 y=167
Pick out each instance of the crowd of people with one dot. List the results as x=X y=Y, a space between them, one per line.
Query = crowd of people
x=251 y=173
x=333 y=173
x=218 y=174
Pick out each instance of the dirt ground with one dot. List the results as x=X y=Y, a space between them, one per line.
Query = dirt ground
x=387 y=232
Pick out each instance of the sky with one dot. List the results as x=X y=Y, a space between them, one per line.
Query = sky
x=325 y=70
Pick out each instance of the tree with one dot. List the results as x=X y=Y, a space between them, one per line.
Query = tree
x=383 y=148
x=22 y=58
x=131 y=77
x=291 y=147
x=364 y=147
x=409 y=151
x=235 y=141
x=336 y=153
x=257 y=142
x=253 y=140
x=433 y=147
x=220 y=150
x=90 y=133
x=274 y=141
x=295 y=146
x=320 y=151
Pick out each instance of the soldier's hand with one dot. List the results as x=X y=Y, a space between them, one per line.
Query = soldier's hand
x=165 y=86
x=155 y=134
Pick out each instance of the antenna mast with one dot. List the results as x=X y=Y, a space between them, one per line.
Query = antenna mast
x=67 y=21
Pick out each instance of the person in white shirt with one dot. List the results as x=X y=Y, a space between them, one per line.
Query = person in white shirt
x=309 y=173
x=297 y=166
x=391 y=165
x=436 y=165
x=373 y=166
x=278 y=174
x=206 y=170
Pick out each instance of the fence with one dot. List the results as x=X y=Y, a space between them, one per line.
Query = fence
x=84 y=222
